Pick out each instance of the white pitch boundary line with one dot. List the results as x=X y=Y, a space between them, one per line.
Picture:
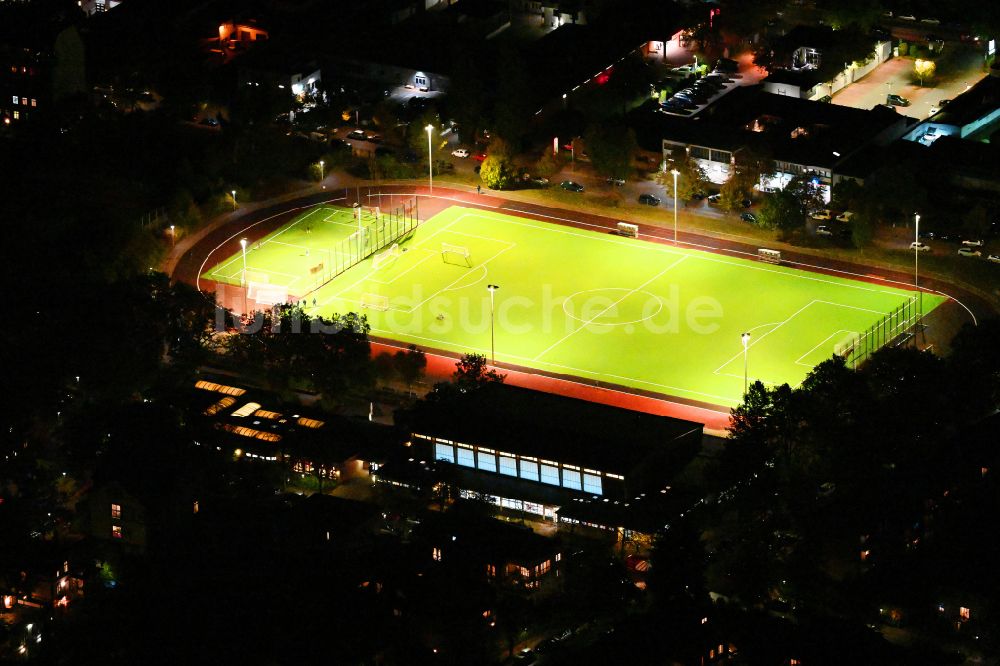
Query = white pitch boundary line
x=591 y=320
x=701 y=254
x=798 y=361
x=712 y=248
x=580 y=372
x=452 y=283
x=419 y=244
x=478 y=280
x=201 y=268
x=430 y=255
x=757 y=340
x=389 y=343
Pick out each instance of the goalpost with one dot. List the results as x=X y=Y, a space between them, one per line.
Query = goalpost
x=457 y=250
x=383 y=258
x=375 y=302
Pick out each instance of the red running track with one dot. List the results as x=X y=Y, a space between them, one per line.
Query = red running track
x=440 y=368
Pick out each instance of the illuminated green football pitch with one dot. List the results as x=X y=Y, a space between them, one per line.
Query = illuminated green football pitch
x=591 y=304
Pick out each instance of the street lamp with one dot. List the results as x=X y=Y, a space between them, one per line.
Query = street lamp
x=493 y=351
x=243 y=277
x=745 y=337
x=233 y=192
x=172 y=235
x=322 y=172
x=430 y=162
x=916 y=273
x=676 y=173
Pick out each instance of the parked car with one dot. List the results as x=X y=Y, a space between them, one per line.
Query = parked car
x=460 y=152
x=479 y=157
x=892 y=99
x=920 y=247
x=748 y=217
x=824 y=214
x=845 y=216
x=995 y=258
x=823 y=230
x=697 y=196
x=930 y=21
x=726 y=65
x=616 y=181
x=525 y=657
x=681 y=103
x=649 y=200
x=825 y=99
x=972 y=243
x=541 y=182
x=714 y=198
x=747 y=203
x=907 y=17
x=970 y=252
x=374 y=138
x=570 y=186
x=356 y=135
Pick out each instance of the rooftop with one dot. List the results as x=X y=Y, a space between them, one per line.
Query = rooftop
x=541 y=424
x=794 y=130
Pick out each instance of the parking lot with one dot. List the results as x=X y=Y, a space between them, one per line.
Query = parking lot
x=959 y=68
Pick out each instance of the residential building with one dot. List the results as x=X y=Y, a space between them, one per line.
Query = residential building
x=803 y=138
x=41 y=58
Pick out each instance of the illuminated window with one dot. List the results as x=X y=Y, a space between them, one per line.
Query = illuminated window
x=34 y=102
x=309 y=423
x=17 y=114
x=491 y=571
x=865 y=554
x=550 y=474
x=444 y=452
x=219 y=388
x=592 y=484
x=246 y=410
x=116 y=531
x=571 y=478
x=543 y=568
x=466 y=458
x=15 y=99
x=116 y=511
x=219 y=406
x=965 y=613
x=195 y=507
x=436 y=554
x=529 y=470
x=487 y=460
x=508 y=465
x=265 y=414
x=250 y=432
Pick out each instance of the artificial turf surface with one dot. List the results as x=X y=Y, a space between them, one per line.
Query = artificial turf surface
x=588 y=303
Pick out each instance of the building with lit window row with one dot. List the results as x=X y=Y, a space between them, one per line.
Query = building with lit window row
x=536 y=452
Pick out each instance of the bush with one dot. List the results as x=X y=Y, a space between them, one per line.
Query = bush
x=903 y=48
x=496 y=173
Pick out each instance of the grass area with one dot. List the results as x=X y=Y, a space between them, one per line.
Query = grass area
x=603 y=307
x=306 y=252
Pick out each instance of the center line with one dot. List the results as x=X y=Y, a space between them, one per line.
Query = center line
x=592 y=319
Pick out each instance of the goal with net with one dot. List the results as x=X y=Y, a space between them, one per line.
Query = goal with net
x=385 y=257
x=375 y=302
x=455 y=250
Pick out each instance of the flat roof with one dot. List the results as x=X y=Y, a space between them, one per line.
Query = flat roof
x=980 y=100
x=794 y=130
x=545 y=425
